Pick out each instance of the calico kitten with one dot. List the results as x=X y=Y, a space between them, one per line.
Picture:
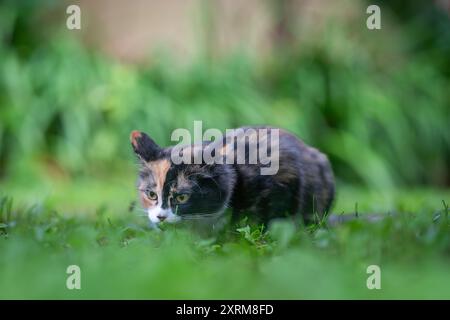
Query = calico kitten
x=170 y=192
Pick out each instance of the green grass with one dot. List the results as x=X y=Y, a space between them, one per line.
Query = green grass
x=375 y=102
x=120 y=258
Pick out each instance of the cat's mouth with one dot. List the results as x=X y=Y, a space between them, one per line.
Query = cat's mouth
x=158 y=215
x=175 y=219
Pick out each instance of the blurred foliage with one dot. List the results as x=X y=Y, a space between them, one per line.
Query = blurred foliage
x=120 y=259
x=377 y=102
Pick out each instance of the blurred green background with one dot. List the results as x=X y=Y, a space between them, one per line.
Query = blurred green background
x=376 y=101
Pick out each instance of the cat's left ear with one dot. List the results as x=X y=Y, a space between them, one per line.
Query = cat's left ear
x=144 y=146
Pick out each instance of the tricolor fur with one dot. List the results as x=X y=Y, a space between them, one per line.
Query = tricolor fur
x=303 y=184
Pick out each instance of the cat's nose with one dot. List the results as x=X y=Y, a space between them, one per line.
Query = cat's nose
x=161 y=218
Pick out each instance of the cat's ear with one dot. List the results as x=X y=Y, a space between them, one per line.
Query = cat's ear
x=145 y=148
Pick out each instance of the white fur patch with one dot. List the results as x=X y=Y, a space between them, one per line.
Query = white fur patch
x=156 y=212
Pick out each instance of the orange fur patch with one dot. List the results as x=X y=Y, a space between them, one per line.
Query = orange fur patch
x=159 y=170
x=133 y=136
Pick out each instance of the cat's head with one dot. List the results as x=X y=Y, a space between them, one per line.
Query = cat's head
x=173 y=192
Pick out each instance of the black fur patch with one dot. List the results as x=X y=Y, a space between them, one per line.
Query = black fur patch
x=303 y=184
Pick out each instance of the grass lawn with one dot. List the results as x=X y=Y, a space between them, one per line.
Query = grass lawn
x=376 y=102
x=120 y=257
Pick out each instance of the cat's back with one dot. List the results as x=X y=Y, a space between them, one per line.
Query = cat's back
x=300 y=180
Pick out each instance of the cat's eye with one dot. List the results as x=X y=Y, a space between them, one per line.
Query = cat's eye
x=182 y=198
x=152 y=195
